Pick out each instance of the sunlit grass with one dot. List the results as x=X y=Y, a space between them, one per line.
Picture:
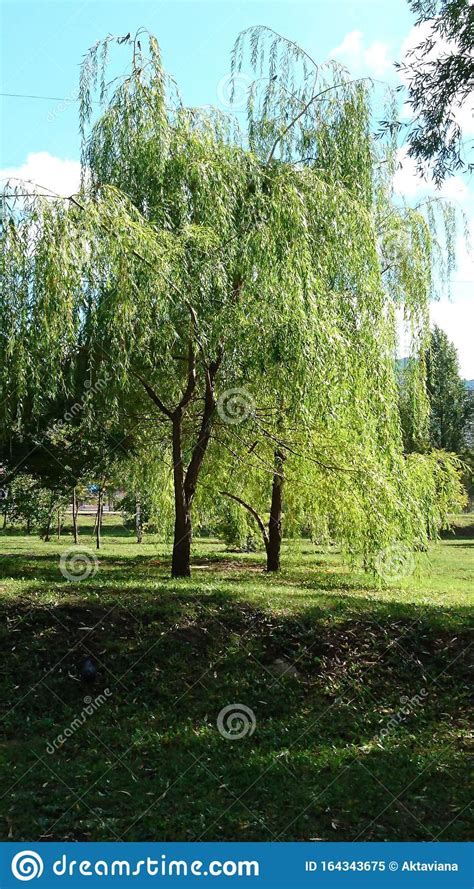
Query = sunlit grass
x=150 y=762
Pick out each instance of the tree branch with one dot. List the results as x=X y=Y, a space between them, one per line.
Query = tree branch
x=204 y=435
x=253 y=512
x=303 y=111
x=191 y=384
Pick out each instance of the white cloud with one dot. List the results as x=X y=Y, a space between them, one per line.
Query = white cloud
x=376 y=57
x=456 y=318
x=464 y=273
x=42 y=170
x=372 y=59
x=351 y=46
x=463 y=116
x=409 y=184
x=454 y=315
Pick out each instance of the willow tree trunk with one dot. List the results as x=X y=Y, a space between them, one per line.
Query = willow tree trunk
x=75 y=509
x=98 y=520
x=138 y=518
x=47 y=530
x=273 y=545
x=181 y=561
x=185 y=482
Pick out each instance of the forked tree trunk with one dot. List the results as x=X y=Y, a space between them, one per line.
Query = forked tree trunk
x=75 y=508
x=185 y=481
x=274 y=525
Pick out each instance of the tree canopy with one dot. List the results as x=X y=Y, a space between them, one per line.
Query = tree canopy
x=450 y=405
x=199 y=261
x=439 y=72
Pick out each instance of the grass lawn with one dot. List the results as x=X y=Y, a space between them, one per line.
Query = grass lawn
x=365 y=738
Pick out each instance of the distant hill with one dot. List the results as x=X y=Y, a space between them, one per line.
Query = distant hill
x=401 y=363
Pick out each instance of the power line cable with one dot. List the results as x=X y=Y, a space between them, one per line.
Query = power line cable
x=46 y=98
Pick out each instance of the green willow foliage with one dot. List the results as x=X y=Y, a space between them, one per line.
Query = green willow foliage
x=197 y=258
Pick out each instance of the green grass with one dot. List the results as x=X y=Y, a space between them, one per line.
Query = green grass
x=149 y=763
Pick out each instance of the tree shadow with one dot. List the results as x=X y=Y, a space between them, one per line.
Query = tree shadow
x=173 y=654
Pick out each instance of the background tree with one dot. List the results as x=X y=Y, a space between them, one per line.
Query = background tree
x=440 y=81
x=450 y=405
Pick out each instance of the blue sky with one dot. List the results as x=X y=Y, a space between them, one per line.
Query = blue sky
x=42 y=46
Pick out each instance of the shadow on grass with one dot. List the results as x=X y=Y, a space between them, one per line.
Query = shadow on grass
x=459 y=532
x=149 y=763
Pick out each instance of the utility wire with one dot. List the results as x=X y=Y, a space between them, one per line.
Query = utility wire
x=46 y=98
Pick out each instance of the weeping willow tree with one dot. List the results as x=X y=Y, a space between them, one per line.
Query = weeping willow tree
x=337 y=445
x=197 y=261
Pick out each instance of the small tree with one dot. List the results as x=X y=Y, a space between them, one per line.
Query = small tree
x=450 y=405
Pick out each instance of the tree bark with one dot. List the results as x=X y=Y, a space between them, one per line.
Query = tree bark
x=138 y=518
x=98 y=520
x=59 y=524
x=47 y=530
x=273 y=537
x=185 y=482
x=181 y=561
x=274 y=525
x=75 y=508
